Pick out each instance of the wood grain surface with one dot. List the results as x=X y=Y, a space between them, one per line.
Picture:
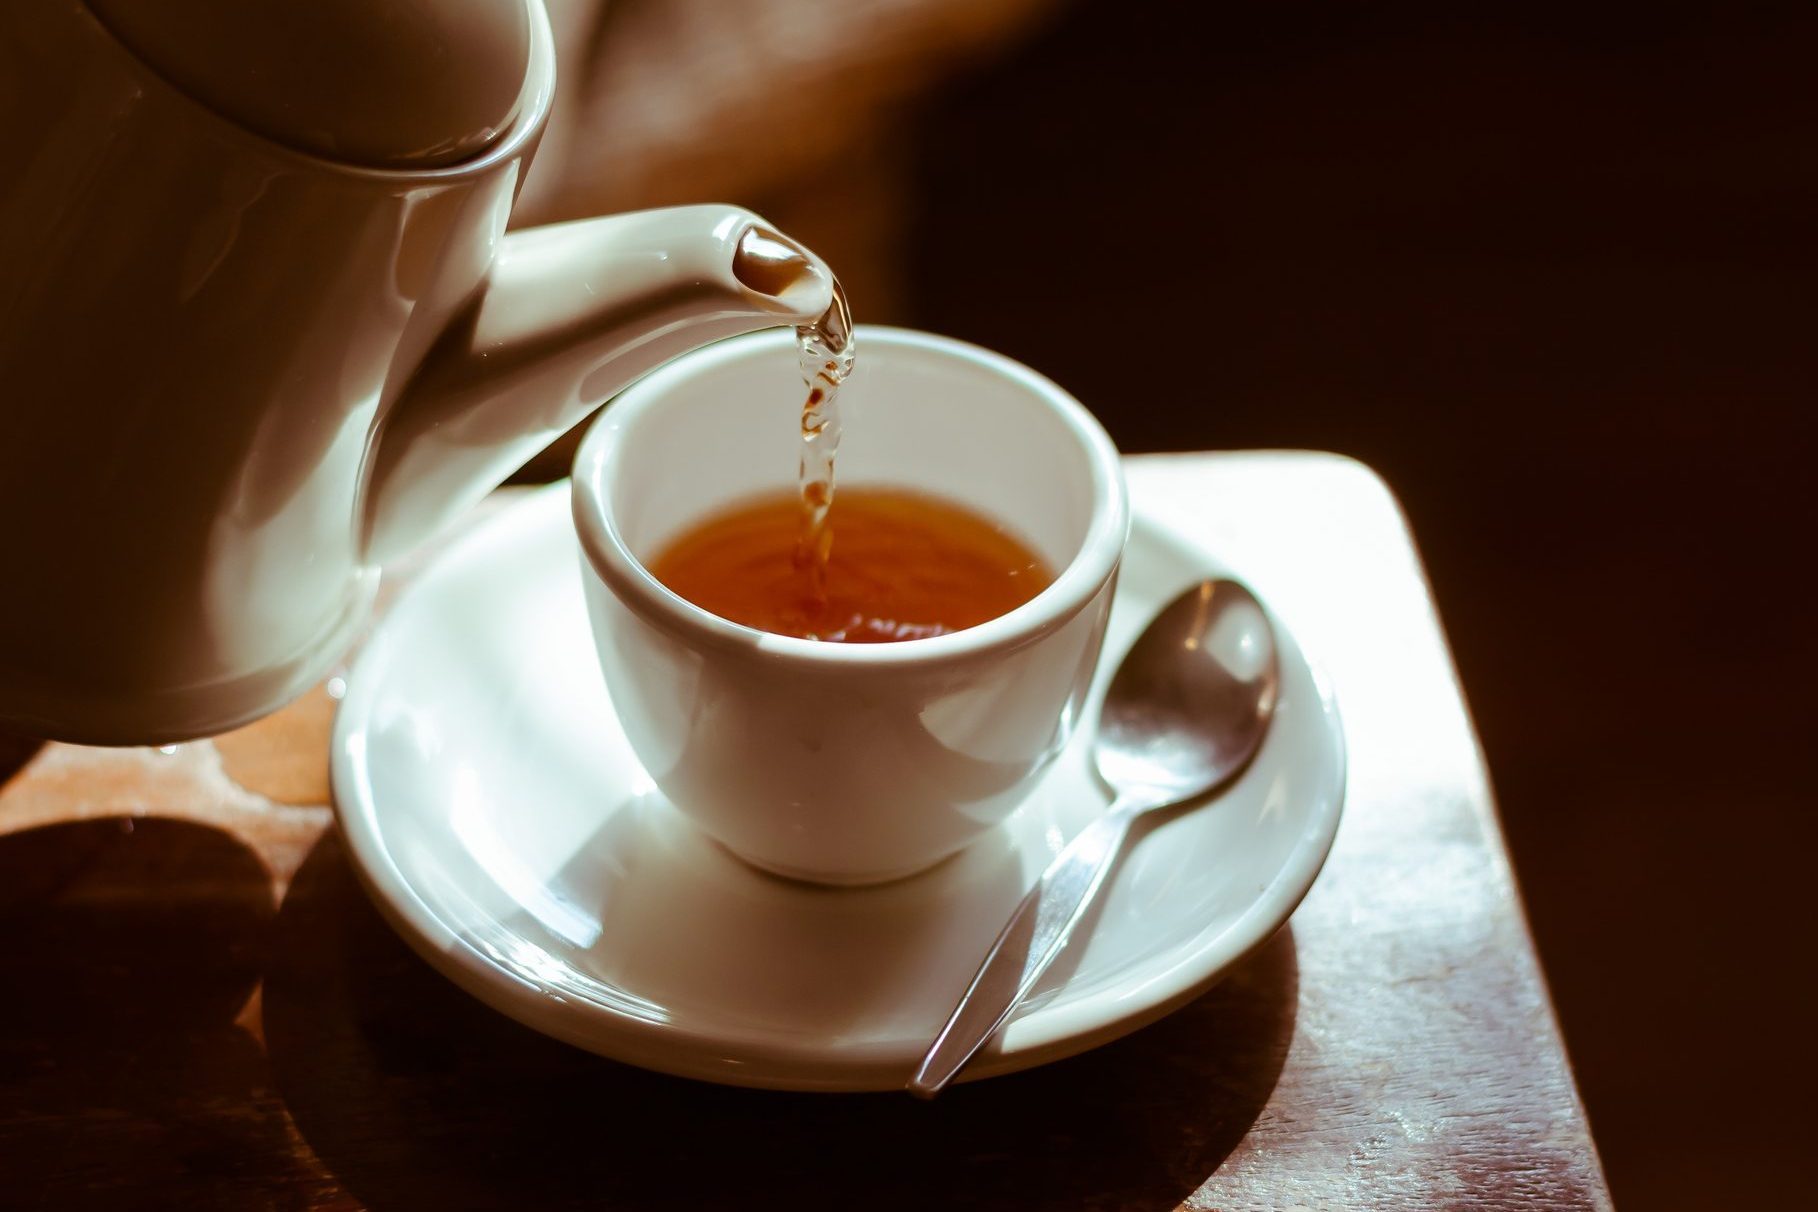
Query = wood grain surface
x=202 y=1010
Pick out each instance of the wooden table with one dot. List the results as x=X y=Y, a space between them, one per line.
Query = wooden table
x=201 y=1009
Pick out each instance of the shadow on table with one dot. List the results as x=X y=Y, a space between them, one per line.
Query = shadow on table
x=131 y=946
x=418 y=1097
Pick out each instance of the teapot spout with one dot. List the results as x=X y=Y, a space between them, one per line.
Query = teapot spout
x=569 y=315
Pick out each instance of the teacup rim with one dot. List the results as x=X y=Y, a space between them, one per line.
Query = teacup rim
x=1072 y=589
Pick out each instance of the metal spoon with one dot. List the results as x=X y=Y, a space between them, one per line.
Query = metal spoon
x=1185 y=713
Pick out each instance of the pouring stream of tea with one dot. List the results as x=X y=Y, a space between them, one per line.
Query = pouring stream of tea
x=826 y=354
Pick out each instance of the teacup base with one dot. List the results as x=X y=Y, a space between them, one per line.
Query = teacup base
x=838 y=879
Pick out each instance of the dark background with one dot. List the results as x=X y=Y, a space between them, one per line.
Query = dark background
x=1550 y=271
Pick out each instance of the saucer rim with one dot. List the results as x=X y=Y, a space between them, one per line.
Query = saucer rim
x=1050 y=1030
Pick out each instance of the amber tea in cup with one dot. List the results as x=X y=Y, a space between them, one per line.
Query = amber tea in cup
x=900 y=565
x=903 y=565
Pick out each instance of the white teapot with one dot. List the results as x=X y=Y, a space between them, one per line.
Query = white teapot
x=261 y=328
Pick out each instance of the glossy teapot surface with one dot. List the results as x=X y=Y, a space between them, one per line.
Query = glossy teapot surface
x=238 y=373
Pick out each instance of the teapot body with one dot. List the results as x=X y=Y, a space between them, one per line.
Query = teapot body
x=201 y=334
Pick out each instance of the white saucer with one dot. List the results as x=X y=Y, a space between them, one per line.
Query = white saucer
x=497 y=817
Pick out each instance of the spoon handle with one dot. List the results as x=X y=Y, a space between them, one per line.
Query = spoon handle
x=1034 y=935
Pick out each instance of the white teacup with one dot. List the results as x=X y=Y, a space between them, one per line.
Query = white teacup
x=847 y=763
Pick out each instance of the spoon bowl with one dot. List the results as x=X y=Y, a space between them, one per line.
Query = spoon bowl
x=1191 y=702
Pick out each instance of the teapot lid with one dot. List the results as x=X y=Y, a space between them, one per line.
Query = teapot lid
x=399 y=84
